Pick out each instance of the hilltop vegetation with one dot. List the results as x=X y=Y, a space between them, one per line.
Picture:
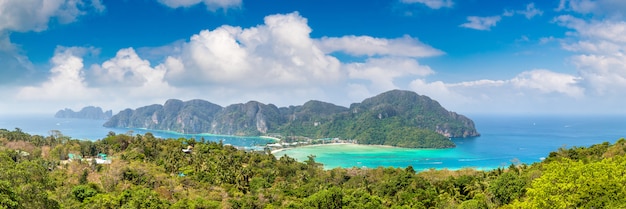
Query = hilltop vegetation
x=397 y=118
x=148 y=172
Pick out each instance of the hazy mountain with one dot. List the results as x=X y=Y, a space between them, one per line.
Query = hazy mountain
x=89 y=112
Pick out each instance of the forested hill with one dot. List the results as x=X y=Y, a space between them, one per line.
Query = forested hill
x=89 y=112
x=148 y=172
x=397 y=118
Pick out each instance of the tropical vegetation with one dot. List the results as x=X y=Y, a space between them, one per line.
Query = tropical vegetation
x=149 y=172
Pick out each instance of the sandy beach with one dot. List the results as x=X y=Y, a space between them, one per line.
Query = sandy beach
x=269 y=137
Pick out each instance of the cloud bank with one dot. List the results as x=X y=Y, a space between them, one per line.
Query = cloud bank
x=274 y=62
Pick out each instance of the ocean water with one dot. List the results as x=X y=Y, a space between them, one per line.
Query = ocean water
x=504 y=140
x=86 y=129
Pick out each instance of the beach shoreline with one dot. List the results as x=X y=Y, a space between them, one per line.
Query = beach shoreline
x=271 y=138
x=330 y=144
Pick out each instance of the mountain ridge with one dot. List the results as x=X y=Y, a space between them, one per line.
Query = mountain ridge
x=397 y=118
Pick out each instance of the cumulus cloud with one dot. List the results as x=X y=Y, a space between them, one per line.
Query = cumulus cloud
x=126 y=69
x=602 y=44
x=66 y=82
x=433 y=4
x=33 y=15
x=381 y=72
x=212 y=5
x=280 y=52
x=481 y=23
x=123 y=81
x=603 y=74
x=405 y=46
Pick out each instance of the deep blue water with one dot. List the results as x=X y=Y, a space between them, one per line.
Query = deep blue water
x=503 y=140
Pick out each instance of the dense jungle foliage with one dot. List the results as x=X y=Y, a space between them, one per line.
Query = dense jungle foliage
x=148 y=172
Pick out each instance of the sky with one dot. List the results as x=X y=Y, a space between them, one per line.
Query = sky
x=473 y=56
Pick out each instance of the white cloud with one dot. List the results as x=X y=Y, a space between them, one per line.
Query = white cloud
x=66 y=82
x=123 y=81
x=603 y=74
x=127 y=69
x=405 y=46
x=481 y=23
x=524 y=92
x=486 y=23
x=601 y=7
x=543 y=81
x=212 y=5
x=433 y=4
x=530 y=11
x=381 y=72
x=549 y=82
x=275 y=62
x=34 y=15
x=609 y=30
x=602 y=44
x=280 y=52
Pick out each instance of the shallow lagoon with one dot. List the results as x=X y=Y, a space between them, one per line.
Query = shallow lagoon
x=504 y=140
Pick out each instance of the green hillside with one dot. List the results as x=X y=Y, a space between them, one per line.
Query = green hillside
x=148 y=172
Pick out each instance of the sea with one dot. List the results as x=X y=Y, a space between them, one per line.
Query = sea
x=504 y=140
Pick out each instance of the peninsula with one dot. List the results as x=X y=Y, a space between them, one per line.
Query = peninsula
x=395 y=118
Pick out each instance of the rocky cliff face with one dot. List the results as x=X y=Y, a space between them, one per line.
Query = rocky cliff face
x=89 y=112
x=313 y=119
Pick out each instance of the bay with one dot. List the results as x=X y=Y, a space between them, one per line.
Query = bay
x=504 y=140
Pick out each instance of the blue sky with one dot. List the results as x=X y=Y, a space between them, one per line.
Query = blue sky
x=473 y=56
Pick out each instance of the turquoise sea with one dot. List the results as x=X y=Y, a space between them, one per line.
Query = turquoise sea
x=504 y=140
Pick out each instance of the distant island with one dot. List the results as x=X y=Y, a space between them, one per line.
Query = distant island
x=395 y=118
x=89 y=112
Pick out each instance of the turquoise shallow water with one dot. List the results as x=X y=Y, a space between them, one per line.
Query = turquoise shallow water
x=503 y=140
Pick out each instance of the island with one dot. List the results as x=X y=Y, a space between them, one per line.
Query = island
x=395 y=118
x=89 y=112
